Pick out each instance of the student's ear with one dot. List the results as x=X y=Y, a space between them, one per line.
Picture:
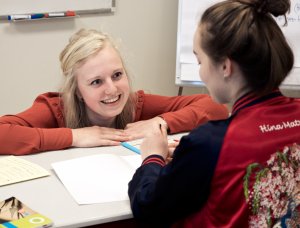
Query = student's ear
x=227 y=68
x=78 y=94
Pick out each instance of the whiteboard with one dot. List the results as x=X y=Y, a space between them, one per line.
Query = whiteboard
x=10 y=7
x=189 y=13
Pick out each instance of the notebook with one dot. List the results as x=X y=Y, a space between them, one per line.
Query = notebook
x=15 y=214
x=15 y=169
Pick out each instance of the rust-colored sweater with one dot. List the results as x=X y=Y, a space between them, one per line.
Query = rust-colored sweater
x=42 y=126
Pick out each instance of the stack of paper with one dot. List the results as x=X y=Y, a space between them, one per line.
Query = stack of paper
x=14 y=169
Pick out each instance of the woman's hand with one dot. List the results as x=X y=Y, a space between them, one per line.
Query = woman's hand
x=171 y=147
x=155 y=142
x=140 y=129
x=98 y=136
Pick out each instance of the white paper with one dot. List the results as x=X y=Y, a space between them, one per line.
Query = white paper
x=292 y=31
x=189 y=15
x=293 y=78
x=98 y=178
x=190 y=72
x=14 y=169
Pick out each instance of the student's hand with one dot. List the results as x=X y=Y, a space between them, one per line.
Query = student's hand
x=140 y=129
x=155 y=142
x=98 y=136
x=171 y=147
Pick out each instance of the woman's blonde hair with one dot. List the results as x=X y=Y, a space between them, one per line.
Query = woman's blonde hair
x=82 y=45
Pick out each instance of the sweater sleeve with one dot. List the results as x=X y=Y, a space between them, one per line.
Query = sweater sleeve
x=166 y=193
x=182 y=113
x=39 y=128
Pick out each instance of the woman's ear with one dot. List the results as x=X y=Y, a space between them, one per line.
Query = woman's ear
x=227 y=68
x=78 y=94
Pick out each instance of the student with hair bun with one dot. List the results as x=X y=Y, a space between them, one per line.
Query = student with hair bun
x=96 y=105
x=244 y=58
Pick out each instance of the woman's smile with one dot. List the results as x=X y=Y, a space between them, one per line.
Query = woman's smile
x=111 y=100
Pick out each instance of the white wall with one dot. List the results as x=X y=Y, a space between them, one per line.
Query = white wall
x=30 y=49
x=147 y=28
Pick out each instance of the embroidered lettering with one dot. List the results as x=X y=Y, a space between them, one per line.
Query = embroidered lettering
x=263 y=128
x=276 y=127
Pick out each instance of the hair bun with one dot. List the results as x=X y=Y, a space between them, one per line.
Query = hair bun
x=275 y=7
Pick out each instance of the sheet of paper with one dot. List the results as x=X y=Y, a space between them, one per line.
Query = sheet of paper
x=98 y=178
x=293 y=78
x=14 y=169
x=190 y=72
x=291 y=31
x=189 y=18
x=190 y=12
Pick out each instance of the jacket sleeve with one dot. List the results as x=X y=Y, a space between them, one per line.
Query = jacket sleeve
x=166 y=193
x=37 y=129
x=182 y=113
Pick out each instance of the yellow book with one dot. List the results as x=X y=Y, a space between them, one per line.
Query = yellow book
x=15 y=214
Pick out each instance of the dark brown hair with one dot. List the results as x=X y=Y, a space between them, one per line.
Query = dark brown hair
x=245 y=32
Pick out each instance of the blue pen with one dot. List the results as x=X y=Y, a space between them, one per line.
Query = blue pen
x=37 y=16
x=132 y=148
x=20 y=17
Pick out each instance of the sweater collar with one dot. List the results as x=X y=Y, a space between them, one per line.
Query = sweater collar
x=250 y=99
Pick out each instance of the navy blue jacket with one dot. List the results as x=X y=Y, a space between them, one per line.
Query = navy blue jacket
x=203 y=185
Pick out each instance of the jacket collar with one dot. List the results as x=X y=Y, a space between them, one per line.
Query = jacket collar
x=250 y=99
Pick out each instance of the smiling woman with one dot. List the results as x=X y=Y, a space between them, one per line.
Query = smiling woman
x=104 y=87
x=96 y=105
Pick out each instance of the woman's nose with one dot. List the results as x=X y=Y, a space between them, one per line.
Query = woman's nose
x=110 y=87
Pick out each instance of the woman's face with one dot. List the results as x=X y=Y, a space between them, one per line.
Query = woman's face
x=210 y=73
x=103 y=85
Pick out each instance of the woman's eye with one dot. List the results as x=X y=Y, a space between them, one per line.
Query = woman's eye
x=117 y=75
x=96 y=82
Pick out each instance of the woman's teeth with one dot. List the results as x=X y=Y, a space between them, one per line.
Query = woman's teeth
x=112 y=100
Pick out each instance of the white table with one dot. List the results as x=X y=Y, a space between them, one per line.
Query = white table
x=49 y=197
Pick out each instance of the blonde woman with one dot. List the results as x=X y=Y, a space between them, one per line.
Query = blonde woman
x=96 y=105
